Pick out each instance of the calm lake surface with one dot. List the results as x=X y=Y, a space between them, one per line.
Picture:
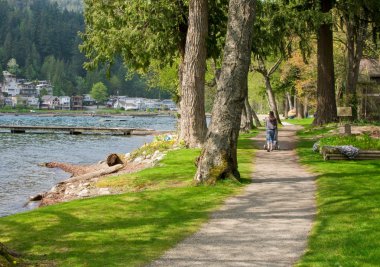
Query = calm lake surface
x=20 y=175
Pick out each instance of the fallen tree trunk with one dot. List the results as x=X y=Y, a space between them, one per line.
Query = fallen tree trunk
x=94 y=174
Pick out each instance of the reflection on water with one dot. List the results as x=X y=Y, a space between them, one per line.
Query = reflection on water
x=20 y=175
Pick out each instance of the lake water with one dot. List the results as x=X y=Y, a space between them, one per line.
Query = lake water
x=20 y=175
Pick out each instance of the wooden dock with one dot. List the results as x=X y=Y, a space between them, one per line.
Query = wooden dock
x=77 y=130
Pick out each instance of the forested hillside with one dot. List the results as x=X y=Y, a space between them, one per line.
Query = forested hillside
x=72 y=5
x=43 y=38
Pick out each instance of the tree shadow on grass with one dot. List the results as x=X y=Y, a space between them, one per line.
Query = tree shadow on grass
x=107 y=231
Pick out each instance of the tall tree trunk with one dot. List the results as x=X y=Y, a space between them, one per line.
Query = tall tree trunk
x=272 y=98
x=356 y=30
x=254 y=115
x=249 y=112
x=269 y=91
x=193 y=118
x=290 y=100
x=326 y=103
x=218 y=158
x=286 y=107
x=305 y=107
x=246 y=117
x=299 y=108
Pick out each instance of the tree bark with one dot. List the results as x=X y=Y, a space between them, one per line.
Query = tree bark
x=193 y=118
x=272 y=98
x=305 y=107
x=286 y=107
x=326 y=103
x=218 y=158
x=246 y=117
x=257 y=120
x=356 y=30
x=269 y=91
x=249 y=112
x=289 y=100
x=299 y=109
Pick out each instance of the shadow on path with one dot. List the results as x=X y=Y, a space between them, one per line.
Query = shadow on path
x=267 y=225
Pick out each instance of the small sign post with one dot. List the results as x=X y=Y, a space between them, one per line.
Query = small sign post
x=345 y=112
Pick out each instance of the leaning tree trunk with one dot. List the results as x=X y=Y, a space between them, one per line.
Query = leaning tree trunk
x=218 y=158
x=193 y=118
x=246 y=117
x=326 y=103
x=269 y=91
x=272 y=99
x=249 y=112
x=356 y=36
x=289 y=97
x=254 y=115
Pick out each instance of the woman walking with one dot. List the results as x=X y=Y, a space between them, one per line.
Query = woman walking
x=271 y=126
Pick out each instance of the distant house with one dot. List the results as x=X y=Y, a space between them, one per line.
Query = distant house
x=65 y=102
x=129 y=103
x=10 y=84
x=50 y=102
x=13 y=86
x=153 y=104
x=88 y=100
x=27 y=88
x=44 y=86
x=169 y=104
x=26 y=101
x=369 y=85
x=77 y=102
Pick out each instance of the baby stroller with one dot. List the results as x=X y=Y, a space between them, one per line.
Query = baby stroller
x=276 y=145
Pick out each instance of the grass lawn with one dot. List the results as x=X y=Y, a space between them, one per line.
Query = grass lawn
x=304 y=122
x=161 y=207
x=347 y=227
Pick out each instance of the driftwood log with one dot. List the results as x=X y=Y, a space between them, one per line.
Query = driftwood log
x=94 y=174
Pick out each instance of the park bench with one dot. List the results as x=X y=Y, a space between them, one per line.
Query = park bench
x=332 y=153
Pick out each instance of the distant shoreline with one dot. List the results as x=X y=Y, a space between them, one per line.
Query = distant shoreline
x=88 y=113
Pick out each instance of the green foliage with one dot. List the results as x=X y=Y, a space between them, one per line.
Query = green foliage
x=345 y=231
x=43 y=38
x=13 y=67
x=160 y=208
x=99 y=92
x=148 y=35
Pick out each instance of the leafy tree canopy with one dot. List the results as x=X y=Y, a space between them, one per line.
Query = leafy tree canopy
x=99 y=92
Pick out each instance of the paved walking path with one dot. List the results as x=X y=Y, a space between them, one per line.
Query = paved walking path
x=267 y=225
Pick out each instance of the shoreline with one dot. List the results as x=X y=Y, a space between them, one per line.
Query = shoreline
x=84 y=178
x=91 y=113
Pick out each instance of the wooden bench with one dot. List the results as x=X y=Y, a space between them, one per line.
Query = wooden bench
x=363 y=155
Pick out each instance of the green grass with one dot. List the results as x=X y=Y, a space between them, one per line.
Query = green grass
x=304 y=122
x=347 y=227
x=364 y=142
x=161 y=207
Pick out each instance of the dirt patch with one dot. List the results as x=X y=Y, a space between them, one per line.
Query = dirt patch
x=373 y=131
